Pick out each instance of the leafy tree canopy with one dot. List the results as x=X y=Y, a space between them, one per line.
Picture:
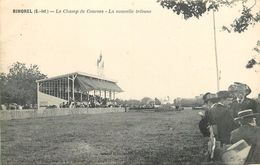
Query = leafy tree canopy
x=253 y=61
x=19 y=85
x=157 y=101
x=146 y=100
x=197 y=8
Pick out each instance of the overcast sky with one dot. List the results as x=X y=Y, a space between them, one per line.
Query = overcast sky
x=157 y=55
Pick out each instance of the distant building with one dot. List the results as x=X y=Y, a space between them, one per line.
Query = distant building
x=77 y=86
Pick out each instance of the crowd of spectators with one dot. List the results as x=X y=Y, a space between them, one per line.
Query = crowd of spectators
x=232 y=120
x=91 y=102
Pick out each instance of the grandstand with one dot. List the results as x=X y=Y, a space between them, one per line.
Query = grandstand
x=74 y=87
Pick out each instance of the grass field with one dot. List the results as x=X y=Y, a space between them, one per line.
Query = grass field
x=113 y=138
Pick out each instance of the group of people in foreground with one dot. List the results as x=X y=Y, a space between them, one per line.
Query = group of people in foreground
x=231 y=121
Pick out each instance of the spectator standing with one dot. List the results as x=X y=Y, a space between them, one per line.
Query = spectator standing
x=240 y=91
x=220 y=118
x=220 y=122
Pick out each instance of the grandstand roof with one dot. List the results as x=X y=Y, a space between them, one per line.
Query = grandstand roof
x=88 y=82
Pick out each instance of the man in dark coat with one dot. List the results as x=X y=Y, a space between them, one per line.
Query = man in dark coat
x=249 y=132
x=203 y=125
x=209 y=99
x=245 y=103
x=220 y=121
x=240 y=91
x=220 y=118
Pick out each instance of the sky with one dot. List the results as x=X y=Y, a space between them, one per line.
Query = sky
x=156 y=54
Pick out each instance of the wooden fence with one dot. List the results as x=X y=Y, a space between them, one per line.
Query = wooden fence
x=34 y=113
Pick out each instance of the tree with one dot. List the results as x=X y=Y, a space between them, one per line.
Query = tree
x=197 y=8
x=19 y=85
x=146 y=100
x=157 y=101
x=253 y=61
x=3 y=82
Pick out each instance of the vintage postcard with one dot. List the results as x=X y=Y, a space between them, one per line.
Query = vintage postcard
x=129 y=81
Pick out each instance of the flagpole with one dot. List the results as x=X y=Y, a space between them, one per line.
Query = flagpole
x=215 y=48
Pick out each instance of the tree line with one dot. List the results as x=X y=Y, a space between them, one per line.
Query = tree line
x=19 y=84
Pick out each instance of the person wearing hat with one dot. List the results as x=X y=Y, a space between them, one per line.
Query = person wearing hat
x=249 y=132
x=204 y=123
x=240 y=91
x=209 y=99
x=220 y=120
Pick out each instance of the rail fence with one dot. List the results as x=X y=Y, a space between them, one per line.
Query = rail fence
x=34 y=113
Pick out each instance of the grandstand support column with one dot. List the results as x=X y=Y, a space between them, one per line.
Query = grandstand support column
x=110 y=95
x=73 y=96
x=38 y=101
x=114 y=95
x=94 y=94
x=80 y=96
x=100 y=94
x=68 y=88
x=73 y=90
x=105 y=94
